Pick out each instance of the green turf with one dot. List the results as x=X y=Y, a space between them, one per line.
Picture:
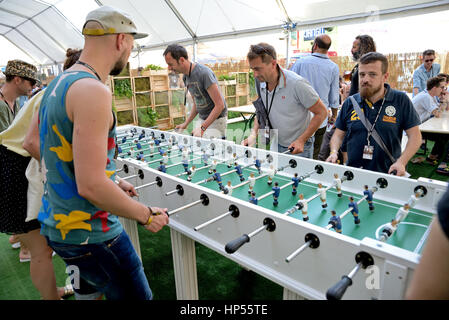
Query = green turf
x=219 y=277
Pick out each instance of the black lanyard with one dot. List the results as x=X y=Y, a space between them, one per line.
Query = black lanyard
x=89 y=67
x=272 y=98
x=375 y=121
x=13 y=107
x=187 y=88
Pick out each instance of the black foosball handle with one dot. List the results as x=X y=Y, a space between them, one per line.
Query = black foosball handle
x=339 y=289
x=234 y=245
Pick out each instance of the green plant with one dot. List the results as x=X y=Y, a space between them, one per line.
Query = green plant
x=122 y=88
x=252 y=85
x=143 y=99
x=226 y=77
x=153 y=67
x=142 y=84
x=147 y=117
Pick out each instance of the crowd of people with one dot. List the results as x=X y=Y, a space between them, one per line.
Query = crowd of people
x=58 y=188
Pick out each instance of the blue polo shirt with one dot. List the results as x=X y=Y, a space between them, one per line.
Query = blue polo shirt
x=421 y=75
x=397 y=115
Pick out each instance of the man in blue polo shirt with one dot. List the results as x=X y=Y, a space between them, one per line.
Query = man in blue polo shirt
x=389 y=111
x=323 y=75
x=425 y=71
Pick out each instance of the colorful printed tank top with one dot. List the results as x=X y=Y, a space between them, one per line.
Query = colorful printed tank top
x=64 y=215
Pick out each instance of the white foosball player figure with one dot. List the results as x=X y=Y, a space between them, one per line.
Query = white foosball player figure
x=402 y=213
x=271 y=172
x=252 y=182
x=322 y=192
x=388 y=230
x=185 y=154
x=228 y=188
x=232 y=160
x=165 y=158
x=192 y=173
x=303 y=205
x=213 y=166
x=414 y=198
x=337 y=182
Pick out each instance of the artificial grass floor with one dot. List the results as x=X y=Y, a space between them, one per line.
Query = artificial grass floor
x=218 y=277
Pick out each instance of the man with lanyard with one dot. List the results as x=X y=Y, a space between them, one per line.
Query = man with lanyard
x=286 y=103
x=208 y=102
x=20 y=81
x=388 y=112
x=323 y=75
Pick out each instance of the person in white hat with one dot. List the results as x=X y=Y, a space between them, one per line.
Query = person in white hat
x=81 y=202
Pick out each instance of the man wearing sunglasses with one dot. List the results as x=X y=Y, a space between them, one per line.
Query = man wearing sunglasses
x=427 y=70
x=20 y=80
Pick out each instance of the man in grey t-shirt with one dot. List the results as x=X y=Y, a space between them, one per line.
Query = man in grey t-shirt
x=208 y=102
x=289 y=101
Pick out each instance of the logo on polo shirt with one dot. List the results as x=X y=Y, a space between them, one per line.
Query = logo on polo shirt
x=390 y=111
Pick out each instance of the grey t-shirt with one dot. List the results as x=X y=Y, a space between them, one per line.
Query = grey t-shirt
x=199 y=81
x=290 y=113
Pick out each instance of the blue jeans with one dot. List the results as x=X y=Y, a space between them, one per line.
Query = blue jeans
x=111 y=267
x=307 y=152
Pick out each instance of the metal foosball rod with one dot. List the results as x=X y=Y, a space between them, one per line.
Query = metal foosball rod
x=311 y=241
x=157 y=160
x=158 y=182
x=233 y=211
x=179 y=190
x=178 y=163
x=139 y=174
x=247 y=181
x=204 y=199
x=200 y=168
x=234 y=245
x=271 y=192
x=337 y=291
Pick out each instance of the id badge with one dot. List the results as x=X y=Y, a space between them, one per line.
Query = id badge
x=368 y=152
x=267 y=132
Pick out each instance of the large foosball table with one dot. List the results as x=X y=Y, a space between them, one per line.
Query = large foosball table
x=283 y=228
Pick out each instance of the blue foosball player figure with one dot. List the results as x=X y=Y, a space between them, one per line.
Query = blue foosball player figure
x=355 y=210
x=185 y=164
x=162 y=167
x=124 y=139
x=295 y=184
x=161 y=151
x=119 y=150
x=258 y=165
x=217 y=177
x=253 y=198
x=369 y=197
x=138 y=145
x=139 y=156
x=276 y=192
x=239 y=171
x=141 y=136
x=335 y=222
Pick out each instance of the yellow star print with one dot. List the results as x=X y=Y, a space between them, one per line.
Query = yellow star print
x=109 y=173
x=75 y=220
x=64 y=152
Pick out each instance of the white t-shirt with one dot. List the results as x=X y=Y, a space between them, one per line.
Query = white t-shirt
x=424 y=105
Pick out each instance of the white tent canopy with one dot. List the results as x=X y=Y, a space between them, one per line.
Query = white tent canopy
x=43 y=30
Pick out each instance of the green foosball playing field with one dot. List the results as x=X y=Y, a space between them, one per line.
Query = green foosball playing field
x=410 y=234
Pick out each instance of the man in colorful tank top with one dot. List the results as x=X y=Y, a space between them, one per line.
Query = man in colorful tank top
x=81 y=202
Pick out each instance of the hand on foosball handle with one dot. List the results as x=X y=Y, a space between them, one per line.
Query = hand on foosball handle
x=159 y=219
x=128 y=188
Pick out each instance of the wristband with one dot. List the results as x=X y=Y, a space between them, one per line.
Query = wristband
x=150 y=218
x=334 y=151
x=203 y=129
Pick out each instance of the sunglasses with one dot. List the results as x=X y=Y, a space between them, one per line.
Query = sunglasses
x=260 y=50
x=429 y=60
x=32 y=81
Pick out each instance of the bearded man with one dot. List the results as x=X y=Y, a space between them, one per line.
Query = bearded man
x=388 y=111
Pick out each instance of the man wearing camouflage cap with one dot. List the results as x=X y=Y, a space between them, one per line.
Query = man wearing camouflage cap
x=81 y=202
x=20 y=80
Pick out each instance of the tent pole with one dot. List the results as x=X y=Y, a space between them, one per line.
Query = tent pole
x=195 y=50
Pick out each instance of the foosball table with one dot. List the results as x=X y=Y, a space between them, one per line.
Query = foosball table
x=318 y=229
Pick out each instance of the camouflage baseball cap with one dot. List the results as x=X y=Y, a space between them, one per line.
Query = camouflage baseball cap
x=21 y=69
x=112 y=21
